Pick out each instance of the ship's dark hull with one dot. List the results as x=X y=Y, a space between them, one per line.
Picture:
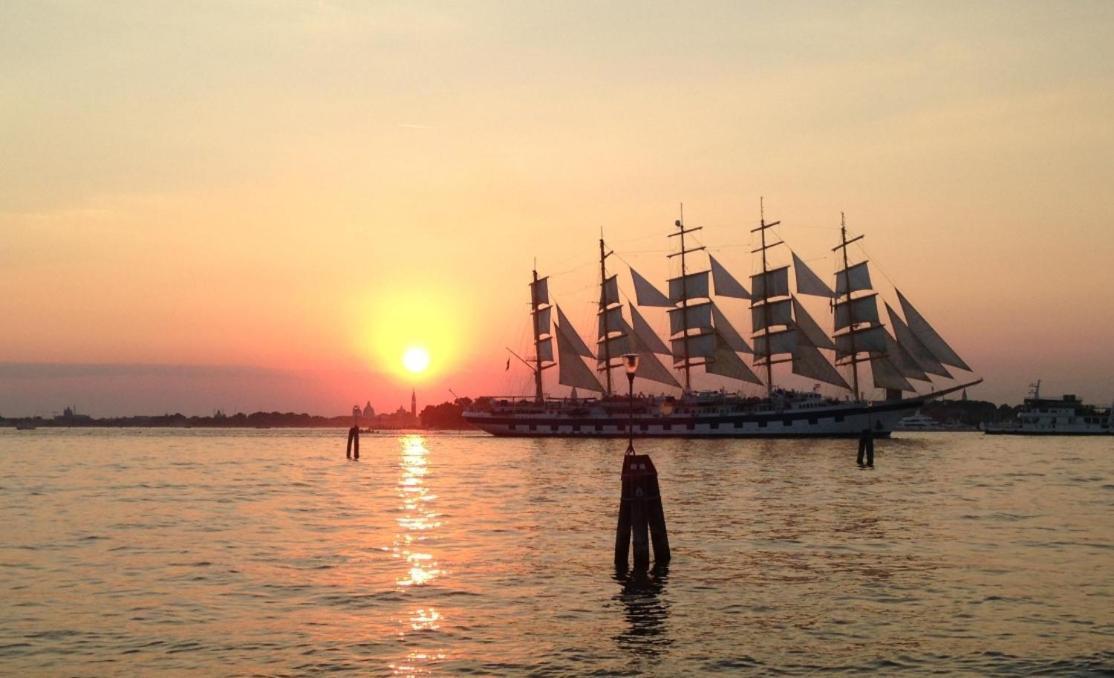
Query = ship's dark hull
x=1019 y=432
x=816 y=419
x=820 y=422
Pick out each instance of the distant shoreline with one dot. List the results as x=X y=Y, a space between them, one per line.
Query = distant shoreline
x=342 y=428
x=446 y=416
x=258 y=420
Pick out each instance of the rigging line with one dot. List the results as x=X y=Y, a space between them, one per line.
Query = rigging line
x=876 y=266
x=575 y=291
x=570 y=270
x=659 y=251
x=635 y=239
x=624 y=259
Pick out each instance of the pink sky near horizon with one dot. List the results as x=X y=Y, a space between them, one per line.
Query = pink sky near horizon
x=277 y=203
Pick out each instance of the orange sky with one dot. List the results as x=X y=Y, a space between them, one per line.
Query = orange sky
x=273 y=203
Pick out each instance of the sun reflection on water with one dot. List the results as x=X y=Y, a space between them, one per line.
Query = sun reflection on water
x=417 y=523
x=418 y=517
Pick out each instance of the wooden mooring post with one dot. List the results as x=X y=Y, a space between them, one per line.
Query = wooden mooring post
x=866 y=449
x=352 y=451
x=641 y=516
x=640 y=503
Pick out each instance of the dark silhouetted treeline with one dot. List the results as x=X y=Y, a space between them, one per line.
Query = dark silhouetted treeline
x=238 y=420
x=446 y=415
x=969 y=412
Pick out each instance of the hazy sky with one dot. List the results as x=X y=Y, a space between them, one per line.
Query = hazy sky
x=257 y=205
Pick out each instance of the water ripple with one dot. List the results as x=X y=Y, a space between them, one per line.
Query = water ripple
x=247 y=553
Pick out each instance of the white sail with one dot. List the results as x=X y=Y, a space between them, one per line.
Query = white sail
x=903 y=361
x=542 y=321
x=540 y=290
x=782 y=341
x=886 y=374
x=869 y=340
x=609 y=292
x=810 y=327
x=571 y=370
x=610 y=321
x=928 y=336
x=646 y=334
x=691 y=286
x=545 y=350
x=772 y=283
x=725 y=284
x=807 y=281
x=699 y=346
x=646 y=294
x=770 y=314
x=650 y=367
x=728 y=332
x=725 y=363
x=853 y=279
x=907 y=340
x=572 y=339
x=861 y=310
x=694 y=317
x=613 y=348
x=809 y=362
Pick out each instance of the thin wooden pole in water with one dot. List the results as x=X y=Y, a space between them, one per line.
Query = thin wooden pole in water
x=352 y=450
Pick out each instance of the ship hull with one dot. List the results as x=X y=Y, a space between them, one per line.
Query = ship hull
x=1023 y=432
x=821 y=422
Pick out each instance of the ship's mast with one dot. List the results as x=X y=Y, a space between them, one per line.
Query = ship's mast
x=843 y=243
x=538 y=396
x=681 y=231
x=762 y=226
x=684 y=303
x=604 y=254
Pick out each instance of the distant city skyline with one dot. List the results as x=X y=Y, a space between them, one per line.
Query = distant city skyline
x=223 y=207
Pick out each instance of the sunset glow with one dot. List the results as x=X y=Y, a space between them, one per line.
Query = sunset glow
x=416 y=359
x=270 y=209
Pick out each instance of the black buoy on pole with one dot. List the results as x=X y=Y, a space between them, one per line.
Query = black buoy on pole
x=641 y=515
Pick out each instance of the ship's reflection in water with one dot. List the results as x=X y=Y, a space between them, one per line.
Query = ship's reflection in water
x=418 y=523
x=646 y=612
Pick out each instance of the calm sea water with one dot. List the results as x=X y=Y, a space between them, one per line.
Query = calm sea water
x=265 y=552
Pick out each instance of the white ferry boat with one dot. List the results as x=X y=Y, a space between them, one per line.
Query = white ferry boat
x=918 y=422
x=1064 y=416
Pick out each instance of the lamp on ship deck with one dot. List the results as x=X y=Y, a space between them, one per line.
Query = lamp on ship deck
x=630 y=362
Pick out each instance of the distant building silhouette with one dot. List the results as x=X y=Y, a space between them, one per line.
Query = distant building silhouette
x=70 y=416
x=414 y=403
x=369 y=411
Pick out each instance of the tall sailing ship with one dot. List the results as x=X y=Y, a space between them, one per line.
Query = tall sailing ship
x=701 y=335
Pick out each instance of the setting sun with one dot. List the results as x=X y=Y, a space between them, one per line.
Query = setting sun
x=415 y=359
